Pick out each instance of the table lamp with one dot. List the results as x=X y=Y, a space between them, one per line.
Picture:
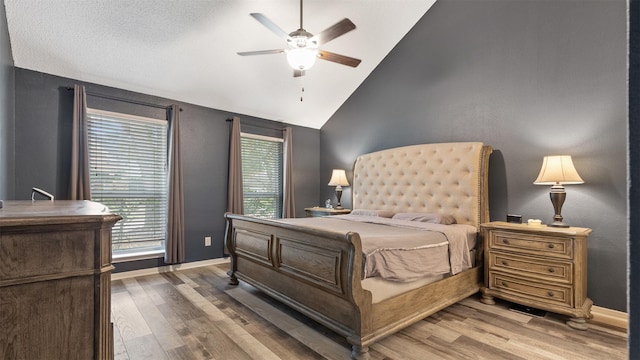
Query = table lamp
x=338 y=179
x=558 y=170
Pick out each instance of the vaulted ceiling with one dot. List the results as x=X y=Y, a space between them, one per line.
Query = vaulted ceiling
x=186 y=50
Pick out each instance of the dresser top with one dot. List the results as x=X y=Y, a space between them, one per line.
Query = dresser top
x=24 y=212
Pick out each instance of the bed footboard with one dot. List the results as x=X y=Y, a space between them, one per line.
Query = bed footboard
x=319 y=274
x=310 y=270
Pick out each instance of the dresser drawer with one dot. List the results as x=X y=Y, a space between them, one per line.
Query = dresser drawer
x=45 y=254
x=543 y=269
x=523 y=243
x=522 y=288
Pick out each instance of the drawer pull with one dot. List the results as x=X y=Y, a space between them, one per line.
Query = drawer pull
x=552 y=270
x=505 y=263
x=551 y=246
x=550 y=293
x=505 y=241
x=504 y=283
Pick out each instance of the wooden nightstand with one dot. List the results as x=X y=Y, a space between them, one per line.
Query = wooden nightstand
x=540 y=267
x=320 y=211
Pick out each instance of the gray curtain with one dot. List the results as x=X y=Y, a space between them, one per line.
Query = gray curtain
x=234 y=187
x=288 y=201
x=79 y=186
x=175 y=247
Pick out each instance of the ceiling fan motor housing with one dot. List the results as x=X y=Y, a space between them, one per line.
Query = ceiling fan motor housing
x=301 y=38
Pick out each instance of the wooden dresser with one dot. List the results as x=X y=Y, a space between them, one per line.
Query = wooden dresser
x=540 y=267
x=55 y=274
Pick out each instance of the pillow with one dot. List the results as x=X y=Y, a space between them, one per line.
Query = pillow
x=426 y=217
x=378 y=213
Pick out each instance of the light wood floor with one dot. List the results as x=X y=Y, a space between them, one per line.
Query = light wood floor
x=193 y=314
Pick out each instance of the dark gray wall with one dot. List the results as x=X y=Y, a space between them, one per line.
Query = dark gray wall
x=634 y=180
x=43 y=111
x=6 y=110
x=531 y=78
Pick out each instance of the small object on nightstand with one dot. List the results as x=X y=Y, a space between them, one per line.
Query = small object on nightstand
x=513 y=218
x=327 y=204
x=534 y=222
x=320 y=211
x=539 y=266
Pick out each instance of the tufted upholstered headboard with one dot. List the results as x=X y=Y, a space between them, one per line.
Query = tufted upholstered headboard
x=444 y=178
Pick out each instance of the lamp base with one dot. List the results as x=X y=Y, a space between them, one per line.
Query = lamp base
x=559 y=224
x=557 y=196
x=338 y=195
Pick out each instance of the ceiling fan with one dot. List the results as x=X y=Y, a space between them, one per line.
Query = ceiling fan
x=303 y=47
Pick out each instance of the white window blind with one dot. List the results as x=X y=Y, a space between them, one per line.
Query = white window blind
x=262 y=175
x=128 y=169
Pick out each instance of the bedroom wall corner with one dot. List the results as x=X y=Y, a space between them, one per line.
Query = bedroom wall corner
x=633 y=279
x=7 y=118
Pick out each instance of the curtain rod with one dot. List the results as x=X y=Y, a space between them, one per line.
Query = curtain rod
x=130 y=101
x=262 y=126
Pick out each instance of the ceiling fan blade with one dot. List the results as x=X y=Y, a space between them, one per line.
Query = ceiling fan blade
x=298 y=73
x=270 y=25
x=337 y=58
x=338 y=29
x=261 y=52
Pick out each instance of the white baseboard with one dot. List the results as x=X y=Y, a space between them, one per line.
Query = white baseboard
x=167 y=268
x=609 y=317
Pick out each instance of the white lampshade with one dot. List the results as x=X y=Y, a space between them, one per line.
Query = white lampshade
x=338 y=178
x=558 y=169
x=302 y=58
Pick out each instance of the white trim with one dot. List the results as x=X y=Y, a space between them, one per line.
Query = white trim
x=116 y=115
x=168 y=268
x=261 y=137
x=610 y=317
x=135 y=256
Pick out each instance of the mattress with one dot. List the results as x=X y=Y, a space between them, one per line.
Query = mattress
x=401 y=250
x=382 y=289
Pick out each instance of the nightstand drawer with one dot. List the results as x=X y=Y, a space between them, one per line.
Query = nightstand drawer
x=523 y=243
x=543 y=269
x=549 y=293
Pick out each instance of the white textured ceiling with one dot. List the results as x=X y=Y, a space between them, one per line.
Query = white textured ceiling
x=186 y=49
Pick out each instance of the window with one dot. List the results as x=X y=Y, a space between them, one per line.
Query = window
x=262 y=175
x=128 y=170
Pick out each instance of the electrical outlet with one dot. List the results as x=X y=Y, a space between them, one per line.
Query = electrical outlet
x=207 y=241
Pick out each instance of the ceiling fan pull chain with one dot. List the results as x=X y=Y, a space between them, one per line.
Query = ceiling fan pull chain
x=302 y=87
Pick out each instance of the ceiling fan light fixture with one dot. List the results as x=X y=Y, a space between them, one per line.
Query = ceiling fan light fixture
x=303 y=47
x=302 y=58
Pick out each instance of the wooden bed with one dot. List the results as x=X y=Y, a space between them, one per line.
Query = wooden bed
x=319 y=273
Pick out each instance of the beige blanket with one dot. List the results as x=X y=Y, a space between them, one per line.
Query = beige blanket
x=401 y=250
